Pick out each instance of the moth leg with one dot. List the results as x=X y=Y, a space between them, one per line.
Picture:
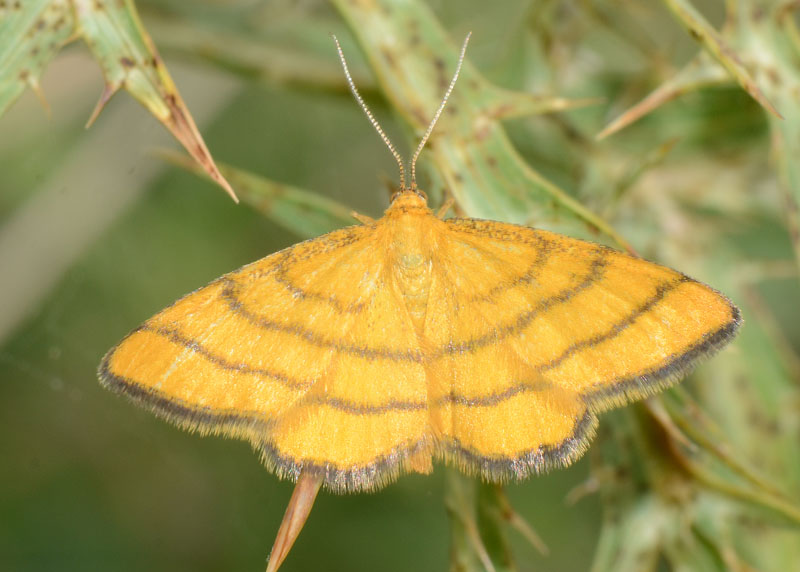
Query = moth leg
x=445 y=207
x=363 y=219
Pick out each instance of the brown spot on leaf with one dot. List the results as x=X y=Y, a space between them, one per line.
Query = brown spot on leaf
x=389 y=57
x=773 y=76
x=441 y=72
x=126 y=62
x=279 y=192
x=773 y=428
x=503 y=109
x=420 y=116
x=265 y=204
x=791 y=205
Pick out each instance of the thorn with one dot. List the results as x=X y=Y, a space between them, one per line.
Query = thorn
x=305 y=492
x=180 y=123
x=519 y=523
x=586 y=488
x=108 y=91
x=37 y=89
x=228 y=189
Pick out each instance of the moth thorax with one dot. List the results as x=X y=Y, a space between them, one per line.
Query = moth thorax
x=415 y=284
x=413 y=277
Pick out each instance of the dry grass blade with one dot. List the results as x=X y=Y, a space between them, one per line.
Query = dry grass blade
x=305 y=492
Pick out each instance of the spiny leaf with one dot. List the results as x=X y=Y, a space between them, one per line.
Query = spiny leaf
x=711 y=40
x=129 y=59
x=653 y=508
x=762 y=35
x=32 y=32
x=710 y=461
x=715 y=65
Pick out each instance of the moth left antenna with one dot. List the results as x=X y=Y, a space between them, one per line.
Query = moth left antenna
x=371 y=118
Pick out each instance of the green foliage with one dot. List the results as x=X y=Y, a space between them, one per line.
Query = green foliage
x=701 y=174
x=31 y=33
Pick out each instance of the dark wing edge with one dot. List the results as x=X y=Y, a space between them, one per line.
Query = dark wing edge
x=203 y=420
x=668 y=373
x=537 y=461
x=361 y=479
x=388 y=468
x=548 y=457
x=367 y=478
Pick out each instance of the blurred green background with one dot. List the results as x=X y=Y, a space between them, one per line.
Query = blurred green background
x=97 y=234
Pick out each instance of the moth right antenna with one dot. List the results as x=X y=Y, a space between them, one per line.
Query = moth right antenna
x=438 y=113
